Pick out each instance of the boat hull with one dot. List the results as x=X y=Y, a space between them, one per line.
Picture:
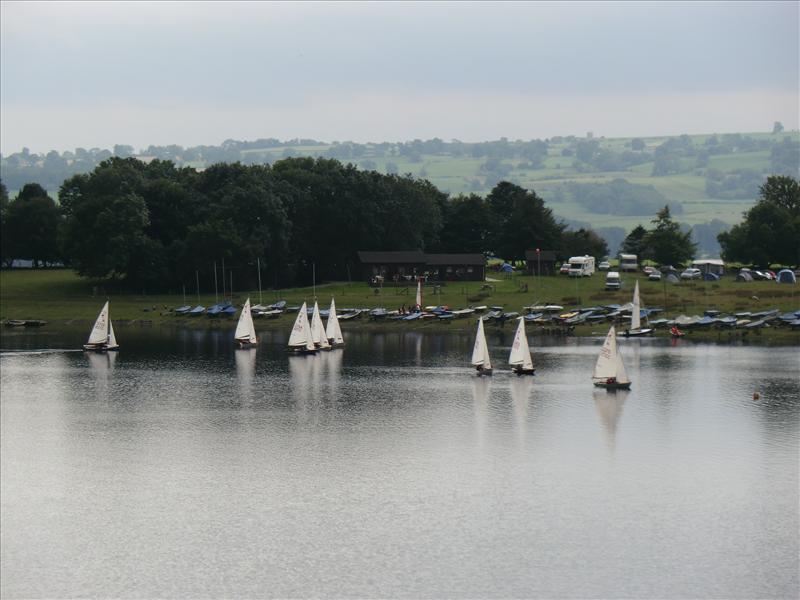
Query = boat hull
x=519 y=371
x=481 y=372
x=612 y=386
x=638 y=332
x=300 y=351
x=241 y=344
x=99 y=348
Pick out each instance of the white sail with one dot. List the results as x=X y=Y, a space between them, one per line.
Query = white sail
x=99 y=334
x=317 y=330
x=245 y=330
x=112 y=339
x=636 y=322
x=609 y=363
x=520 y=353
x=332 y=331
x=301 y=330
x=419 y=293
x=480 y=352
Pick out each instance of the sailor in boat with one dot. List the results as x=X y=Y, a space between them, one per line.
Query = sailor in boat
x=675 y=332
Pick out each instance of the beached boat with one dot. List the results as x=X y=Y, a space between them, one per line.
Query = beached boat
x=332 y=330
x=609 y=371
x=480 y=352
x=636 y=316
x=102 y=338
x=520 y=356
x=300 y=340
x=197 y=311
x=245 y=335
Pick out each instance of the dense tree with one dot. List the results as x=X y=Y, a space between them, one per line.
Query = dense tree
x=583 y=242
x=519 y=220
x=666 y=243
x=770 y=231
x=465 y=224
x=31 y=226
x=5 y=246
x=635 y=242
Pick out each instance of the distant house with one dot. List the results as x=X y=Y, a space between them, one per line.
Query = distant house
x=407 y=265
x=403 y=265
x=541 y=263
x=715 y=266
x=456 y=267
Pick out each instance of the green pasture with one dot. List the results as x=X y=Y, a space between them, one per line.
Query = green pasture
x=61 y=297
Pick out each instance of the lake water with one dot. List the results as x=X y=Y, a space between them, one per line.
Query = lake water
x=184 y=468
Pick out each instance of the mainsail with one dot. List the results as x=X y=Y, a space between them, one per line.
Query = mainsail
x=480 y=352
x=419 y=293
x=99 y=333
x=245 y=330
x=318 y=334
x=520 y=353
x=636 y=322
x=609 y=363
x=332 y=331
x=301 y=331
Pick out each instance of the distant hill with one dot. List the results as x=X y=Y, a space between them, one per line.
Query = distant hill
x=610 y=184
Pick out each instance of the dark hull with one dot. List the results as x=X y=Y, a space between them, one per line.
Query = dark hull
x=612 y=386
x=520 y=372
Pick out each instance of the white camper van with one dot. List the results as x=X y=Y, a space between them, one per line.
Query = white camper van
x=628 y=262
x=581 y=266
x=612 y=280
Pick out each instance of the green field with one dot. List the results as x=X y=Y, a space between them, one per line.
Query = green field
x=62 y=298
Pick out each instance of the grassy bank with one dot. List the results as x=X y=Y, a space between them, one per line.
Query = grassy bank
x=60 y=297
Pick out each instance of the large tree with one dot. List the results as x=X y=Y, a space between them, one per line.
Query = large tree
x=583 y=242
x=770 y=232
x=31 y=226
x=635 y=242
x=666 y=243
x=465 y=224
x=519 y=220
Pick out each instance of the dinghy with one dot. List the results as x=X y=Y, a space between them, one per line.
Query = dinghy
x=318 y=334
x=609 y=372
x=332 y=330
x=300 y=341
x=520 y=357
x=102 y=338
x=245 y=336
x=480 y=352
x=636 y=316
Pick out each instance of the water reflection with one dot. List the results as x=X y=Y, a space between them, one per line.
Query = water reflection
x=245 y=371
x=609 y=405
x=481 y=387
x=521 y=387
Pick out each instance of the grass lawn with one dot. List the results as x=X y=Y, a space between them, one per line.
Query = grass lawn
x=60 y=296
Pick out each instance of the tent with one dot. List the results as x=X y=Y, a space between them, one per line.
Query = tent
x=711 y=277
x=506 y=268
x=744 y=276
x=786 y=276
x=672 y=278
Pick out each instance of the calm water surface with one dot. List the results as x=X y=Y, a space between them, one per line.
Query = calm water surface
x=183 y=468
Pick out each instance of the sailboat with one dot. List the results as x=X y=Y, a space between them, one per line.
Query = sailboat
x=332 y=331
x=480 y=352
x=245 y=335
x=520 y=357
x=300 y=340
x=318 y=334
x=636 y=319
x=102 y=338
x=609 y=372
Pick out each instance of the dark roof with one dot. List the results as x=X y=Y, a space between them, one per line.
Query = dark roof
x=455 y=259
x=401 y=257
x=543 y=255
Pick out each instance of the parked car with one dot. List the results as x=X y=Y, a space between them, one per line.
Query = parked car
x=604 y=266
x=564 y=269
x=648 y=269
x=692 y=273
x=654 y=275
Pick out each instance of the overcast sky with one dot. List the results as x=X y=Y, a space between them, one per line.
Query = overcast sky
x=95 y=74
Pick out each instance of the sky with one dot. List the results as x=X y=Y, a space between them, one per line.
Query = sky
x=96 y=74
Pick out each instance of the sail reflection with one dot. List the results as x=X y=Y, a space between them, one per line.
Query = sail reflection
x=245 y=371
x=520 y=397
x=300 y=374
x=609 y=407
x=102 y=366
x=333 y=367
x=481 y=387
